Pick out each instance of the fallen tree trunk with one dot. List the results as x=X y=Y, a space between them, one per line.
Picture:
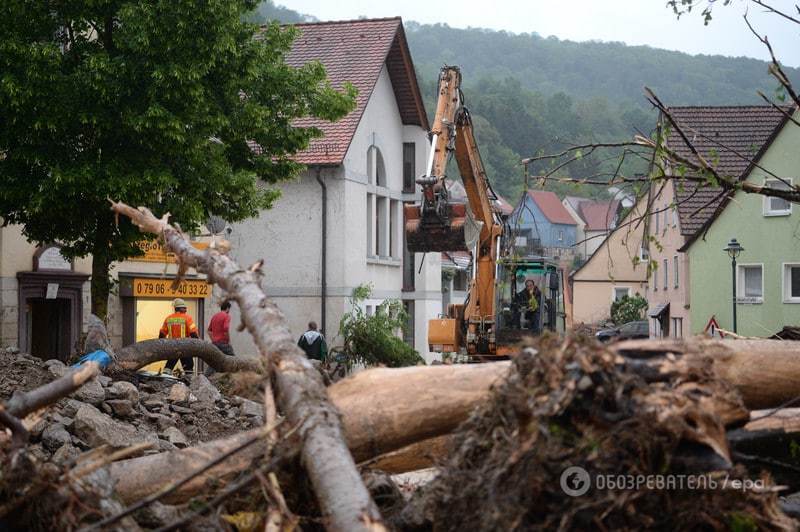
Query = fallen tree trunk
x=765 y=372
x=140 y=354
x=421 y=455
x=137 y=478
x=386 y=409
x=344 y=500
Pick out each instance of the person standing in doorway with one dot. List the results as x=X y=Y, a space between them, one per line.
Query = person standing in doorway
x=179 y=325
x=219 y=328
x=313 y=343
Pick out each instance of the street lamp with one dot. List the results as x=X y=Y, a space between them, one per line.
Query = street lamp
x=733 y=249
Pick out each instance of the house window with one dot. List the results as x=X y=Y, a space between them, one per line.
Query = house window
x=370 y=225
x=394 y=249
x=644 y=254
x=674 y=216
x=655 y=276
x=620 y=292
x=460 y=281
x=750 y=283
x=675 y=267
x=408 y=333
x=409 y=269
x=409 y=167
x=666 y=273
x=777 y=206
x=560 y=235
x=658 y=227
x=381 y=226
x=376 y=170
x=677 y=327
x=791 y=283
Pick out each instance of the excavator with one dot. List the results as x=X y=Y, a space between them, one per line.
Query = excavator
x=489 y=322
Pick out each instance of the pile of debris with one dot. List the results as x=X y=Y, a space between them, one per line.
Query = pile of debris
x=575 y=406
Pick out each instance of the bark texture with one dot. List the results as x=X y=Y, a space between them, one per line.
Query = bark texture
x=386 y=409
x=301 y=395
x=140 y=354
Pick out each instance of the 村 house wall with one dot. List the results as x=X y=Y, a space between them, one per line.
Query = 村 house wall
x=770 y=241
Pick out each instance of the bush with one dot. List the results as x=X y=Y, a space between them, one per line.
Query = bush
x=371 y=340
x=628 y=309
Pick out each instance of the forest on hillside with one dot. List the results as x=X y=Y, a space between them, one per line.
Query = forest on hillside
x=532 y=95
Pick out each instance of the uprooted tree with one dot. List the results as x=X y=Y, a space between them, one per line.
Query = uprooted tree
x=157 y=103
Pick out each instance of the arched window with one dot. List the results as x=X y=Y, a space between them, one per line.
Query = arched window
x=376 y=170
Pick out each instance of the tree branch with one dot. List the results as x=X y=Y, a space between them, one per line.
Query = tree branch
x=341 y=493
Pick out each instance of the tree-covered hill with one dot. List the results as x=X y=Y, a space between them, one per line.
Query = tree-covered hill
x=531 y=95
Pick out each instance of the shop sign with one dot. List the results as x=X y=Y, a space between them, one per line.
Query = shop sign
x=154 y=251
x=162 y=288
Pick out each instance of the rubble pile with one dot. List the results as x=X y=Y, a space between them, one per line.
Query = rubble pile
x=166 y=413
x=575 y=404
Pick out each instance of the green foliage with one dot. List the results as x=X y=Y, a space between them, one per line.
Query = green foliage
x=151 y=103
x=628 y=309
x=371 y=340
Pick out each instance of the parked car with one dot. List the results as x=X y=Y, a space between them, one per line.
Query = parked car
x=626 y=331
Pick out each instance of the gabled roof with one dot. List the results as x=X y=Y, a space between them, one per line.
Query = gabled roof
x=599 y=215
x=551 y=207
x=355 y=51
x=731 y=135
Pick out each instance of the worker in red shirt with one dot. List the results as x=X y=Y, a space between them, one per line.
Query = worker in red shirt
x=219 y=328
x=179 y=325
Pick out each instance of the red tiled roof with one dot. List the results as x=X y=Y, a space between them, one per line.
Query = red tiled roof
x=355 y=51
x=502 y=206
x=598 y=215
x=744 y=131
x=551 y=207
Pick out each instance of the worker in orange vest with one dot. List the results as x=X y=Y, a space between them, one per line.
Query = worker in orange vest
x=179 y=325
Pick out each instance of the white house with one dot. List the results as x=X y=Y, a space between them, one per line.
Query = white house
x=341 y=223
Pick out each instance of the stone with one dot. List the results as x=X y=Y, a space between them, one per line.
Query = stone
x=181 y=409
x=164 y=422
x=164 y=446
x=37 y=429
x=179 y=393
x=54 y=436
x=71 y=407
x=92 y=392
x=175 y=437
x=66 y=453
x=203 y=389
x=250 y=408
x=11 y=350
x=123 y=390
x=121 y=407
x=105 y=382
x=153 y=404
x=96 y=428
x=156 y=515
x=57 y=369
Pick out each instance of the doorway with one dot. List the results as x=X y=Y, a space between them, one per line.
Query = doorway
x=150 y=315
x=49 y=323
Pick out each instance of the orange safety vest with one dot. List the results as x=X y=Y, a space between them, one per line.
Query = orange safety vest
x=178 y=325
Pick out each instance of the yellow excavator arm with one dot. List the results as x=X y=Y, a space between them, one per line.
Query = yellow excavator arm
x=437 y=224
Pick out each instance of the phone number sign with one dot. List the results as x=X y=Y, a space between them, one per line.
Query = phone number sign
x=163 y=288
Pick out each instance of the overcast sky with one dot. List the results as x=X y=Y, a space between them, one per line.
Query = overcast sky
x=647 y=22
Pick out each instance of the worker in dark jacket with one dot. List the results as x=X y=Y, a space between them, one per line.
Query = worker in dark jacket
x=313 y=343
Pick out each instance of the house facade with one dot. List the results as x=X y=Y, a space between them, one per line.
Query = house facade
x=340 y=225
x=594 y=219
x=45 y=304
x=691 y=277
x=543 y=226
x=768 y=269
x=614 y=270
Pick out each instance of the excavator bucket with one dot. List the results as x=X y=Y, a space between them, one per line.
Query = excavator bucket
x=457 y=230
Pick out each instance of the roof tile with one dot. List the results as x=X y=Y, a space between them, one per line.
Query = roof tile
x=736 y=133
x=551 y=207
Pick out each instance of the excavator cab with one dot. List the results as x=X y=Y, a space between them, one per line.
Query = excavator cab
x=517 y=318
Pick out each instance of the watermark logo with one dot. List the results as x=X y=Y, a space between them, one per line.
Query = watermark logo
x=575 y=481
